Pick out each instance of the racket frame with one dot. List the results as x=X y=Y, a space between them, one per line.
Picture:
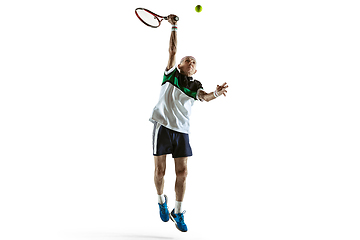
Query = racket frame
x=155 y=15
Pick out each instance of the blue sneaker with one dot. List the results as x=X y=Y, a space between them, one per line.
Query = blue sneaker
x=178 y=219
x=164 y=211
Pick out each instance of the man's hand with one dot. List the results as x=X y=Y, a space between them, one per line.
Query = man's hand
x=211 y=96
x=171 y=19
x=221 y=89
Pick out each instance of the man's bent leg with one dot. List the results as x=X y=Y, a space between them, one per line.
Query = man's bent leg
x=160 y=166
x=181 y=174
x=177 y=215
x=159 y=173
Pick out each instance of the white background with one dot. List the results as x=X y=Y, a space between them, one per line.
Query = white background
x=278 y=158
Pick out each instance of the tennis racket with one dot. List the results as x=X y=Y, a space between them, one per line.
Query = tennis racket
x=149 y=18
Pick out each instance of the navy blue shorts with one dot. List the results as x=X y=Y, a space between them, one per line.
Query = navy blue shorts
x=166 y=141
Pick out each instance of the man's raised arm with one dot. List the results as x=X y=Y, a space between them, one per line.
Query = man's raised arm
x=173 y=42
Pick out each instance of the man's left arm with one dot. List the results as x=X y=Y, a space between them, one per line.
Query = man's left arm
x=220 y=90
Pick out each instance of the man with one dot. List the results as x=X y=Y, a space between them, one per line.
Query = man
x=171 y=125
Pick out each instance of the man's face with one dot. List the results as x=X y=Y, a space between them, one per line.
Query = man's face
x=188 y=66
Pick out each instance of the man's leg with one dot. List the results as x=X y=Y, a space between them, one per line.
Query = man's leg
x=180 y=184
x=160 y=167
x=177 y=215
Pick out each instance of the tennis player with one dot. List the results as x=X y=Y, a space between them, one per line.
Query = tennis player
x=170 y=116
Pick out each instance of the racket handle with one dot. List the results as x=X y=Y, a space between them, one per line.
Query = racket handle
x=176 y=18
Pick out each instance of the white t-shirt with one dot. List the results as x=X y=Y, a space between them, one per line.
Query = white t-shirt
x=177 y=96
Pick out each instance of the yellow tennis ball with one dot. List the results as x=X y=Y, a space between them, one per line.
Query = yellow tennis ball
x=198 y=8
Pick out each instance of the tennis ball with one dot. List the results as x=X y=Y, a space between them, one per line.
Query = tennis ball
x=198 y=8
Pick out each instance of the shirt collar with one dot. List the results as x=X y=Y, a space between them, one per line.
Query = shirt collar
x=186 y=77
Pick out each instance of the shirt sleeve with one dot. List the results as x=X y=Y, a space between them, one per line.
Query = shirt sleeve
x=197 y=94
x=168 y=72
x=199 y=88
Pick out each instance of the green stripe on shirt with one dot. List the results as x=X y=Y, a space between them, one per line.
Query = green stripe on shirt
x=175 y=81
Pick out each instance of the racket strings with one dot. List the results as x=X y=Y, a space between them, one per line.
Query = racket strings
x=148 y=18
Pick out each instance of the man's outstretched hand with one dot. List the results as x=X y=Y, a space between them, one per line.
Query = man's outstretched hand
x=171 y=19
x=222 y=89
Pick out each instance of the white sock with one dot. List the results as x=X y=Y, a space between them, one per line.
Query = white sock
x=178 y=208
x=161 y=199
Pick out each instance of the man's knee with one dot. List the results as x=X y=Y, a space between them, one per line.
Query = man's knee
x=182 y=173
x=159 y=172
x=160 y=166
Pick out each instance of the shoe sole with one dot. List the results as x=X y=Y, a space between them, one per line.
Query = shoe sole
x=172 y=219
